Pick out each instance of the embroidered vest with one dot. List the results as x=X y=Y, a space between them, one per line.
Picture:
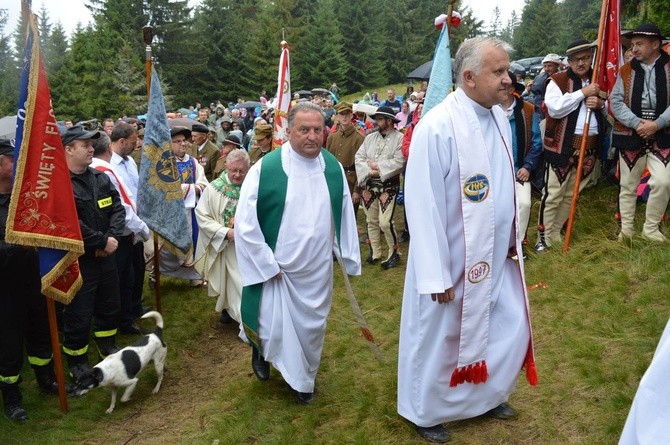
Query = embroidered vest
x=269 y=210
x=558 y=133
x=632 y=75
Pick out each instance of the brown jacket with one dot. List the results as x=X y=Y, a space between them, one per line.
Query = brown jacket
x=344 y=145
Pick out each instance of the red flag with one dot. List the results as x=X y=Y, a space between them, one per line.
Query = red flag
x=610 y=54
x=42 y=212
x=283 y=103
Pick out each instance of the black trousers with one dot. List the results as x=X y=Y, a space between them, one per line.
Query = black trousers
x=23 y=314
x=97 y=300
x=139 y=268
x=124 y=267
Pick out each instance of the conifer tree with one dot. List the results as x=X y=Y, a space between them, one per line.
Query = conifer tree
x=324 y=48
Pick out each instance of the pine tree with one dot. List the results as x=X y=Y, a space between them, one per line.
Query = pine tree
x=509 y=30
x=324 y=48
x=221 y=28
x=9 y=74
x=55 y=49
x=361 y=49
x=539 y=30
x=496 y=24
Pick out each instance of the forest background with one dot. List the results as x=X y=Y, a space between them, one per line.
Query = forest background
x=223 y=49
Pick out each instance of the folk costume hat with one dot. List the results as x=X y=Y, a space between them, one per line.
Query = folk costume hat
x=386 y=112
x=645 y=30
x=6 y=147
x=180 y=130
x=77 y=132
x=577 y=46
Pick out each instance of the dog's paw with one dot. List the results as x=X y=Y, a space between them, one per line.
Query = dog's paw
x=109 y=410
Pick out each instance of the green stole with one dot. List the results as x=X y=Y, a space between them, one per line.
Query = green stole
x=272 y=187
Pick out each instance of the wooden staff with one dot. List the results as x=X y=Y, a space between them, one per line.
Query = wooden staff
x=358 y=314
x=585 y=133
x=58 y=359
x=51 y=307
x=148 y=36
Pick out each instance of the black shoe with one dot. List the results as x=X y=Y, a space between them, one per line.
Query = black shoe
x=259 y=365
x=16 y=413
x=13 y=403
x=404 y=236
x=106 y=345
x=435 y=433
x=225 y=317
x=78 y=365
x=46 y=378
x=371 y=260
x=540 y=246
x=132 y=329
x=393 y=261
x=304 y=398
x=502 y=412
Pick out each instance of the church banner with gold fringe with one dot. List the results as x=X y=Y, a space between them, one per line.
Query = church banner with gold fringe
x=160 y=200
x=43 y=213
x=283 y=103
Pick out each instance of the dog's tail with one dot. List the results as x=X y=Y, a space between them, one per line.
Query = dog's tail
x=159 y=322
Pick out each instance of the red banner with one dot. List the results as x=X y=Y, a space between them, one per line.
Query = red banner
x=42 y=211
x=610 y=54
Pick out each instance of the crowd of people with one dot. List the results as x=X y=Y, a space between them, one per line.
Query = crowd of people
x=268 y=223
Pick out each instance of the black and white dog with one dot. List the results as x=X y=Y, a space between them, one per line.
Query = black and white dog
x=119 y=370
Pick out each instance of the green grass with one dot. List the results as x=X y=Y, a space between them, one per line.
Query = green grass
x=596 y=326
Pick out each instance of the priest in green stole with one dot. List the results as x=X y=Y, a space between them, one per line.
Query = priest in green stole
x=293 y=214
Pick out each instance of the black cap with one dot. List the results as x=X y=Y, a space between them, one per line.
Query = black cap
x=646 y=30
x=6 y=147
x=199 y=128
x=180 y=130
x=386 y=112
x=77 y=132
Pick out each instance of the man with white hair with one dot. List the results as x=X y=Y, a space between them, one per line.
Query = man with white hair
x=465 y=327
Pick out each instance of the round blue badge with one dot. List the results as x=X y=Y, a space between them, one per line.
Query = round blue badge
x=476 y=188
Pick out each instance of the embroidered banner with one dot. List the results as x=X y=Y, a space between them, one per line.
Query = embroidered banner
x=42 y=212
x=283 y=104
x=160 y=200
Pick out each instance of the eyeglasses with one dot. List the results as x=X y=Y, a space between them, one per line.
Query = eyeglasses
x=585 y=59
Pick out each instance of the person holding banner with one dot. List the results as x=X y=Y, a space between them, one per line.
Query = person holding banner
x=102 y=219
x=642 y=130
x=23 y=311
x=567 y=97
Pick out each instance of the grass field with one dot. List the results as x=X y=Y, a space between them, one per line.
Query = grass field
x=597 y=316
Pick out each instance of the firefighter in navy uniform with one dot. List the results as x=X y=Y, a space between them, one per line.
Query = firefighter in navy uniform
x=102 y=220
x=23 y=313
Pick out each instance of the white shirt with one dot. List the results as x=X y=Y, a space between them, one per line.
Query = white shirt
x=559 y=105
x=127 y=169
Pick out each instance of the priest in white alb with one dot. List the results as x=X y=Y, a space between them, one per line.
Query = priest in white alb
x=294 y=214
x=215 y=257
x=465 y=328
